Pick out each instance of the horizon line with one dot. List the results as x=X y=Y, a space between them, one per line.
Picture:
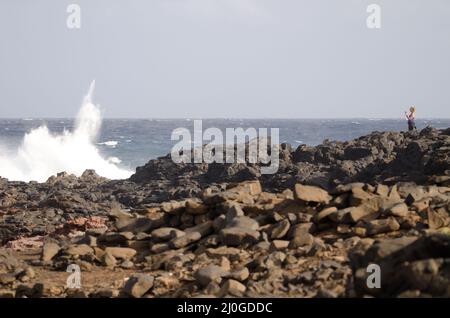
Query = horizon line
x=230 y=118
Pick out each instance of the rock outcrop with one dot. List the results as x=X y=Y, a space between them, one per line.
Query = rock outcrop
x=184 y=230
x=383 y=157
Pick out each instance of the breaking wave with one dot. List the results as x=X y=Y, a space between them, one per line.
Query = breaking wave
x=43 y=154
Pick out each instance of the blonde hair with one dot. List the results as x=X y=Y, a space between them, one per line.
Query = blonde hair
x=412 y=109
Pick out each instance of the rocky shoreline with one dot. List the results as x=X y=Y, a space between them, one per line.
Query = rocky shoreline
x=219 y=230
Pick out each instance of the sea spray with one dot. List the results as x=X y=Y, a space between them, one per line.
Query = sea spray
x=42 y=153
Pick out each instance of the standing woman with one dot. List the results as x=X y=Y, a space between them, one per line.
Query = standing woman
x=411 y=118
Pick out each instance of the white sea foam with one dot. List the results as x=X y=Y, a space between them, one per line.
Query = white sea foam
x=114 y=160
x=109 y=143
x=43 y=153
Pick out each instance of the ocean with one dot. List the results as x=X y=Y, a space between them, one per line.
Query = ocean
x=128 y=143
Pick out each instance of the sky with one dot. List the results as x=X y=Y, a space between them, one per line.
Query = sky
x=225 y=58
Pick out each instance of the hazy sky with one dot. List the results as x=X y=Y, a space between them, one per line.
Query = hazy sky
x=226 y=58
